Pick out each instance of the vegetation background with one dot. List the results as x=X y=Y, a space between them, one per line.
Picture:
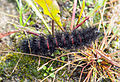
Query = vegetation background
x=20 y=19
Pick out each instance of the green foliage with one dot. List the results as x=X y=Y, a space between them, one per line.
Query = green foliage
x=63 y=58
x=99 y=60
x=26 y=67
x=21 y=11
x=50 y=8
x=98 y=5
x=48 y=71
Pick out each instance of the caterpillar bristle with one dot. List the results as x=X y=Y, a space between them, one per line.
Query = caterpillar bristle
x=42 y=46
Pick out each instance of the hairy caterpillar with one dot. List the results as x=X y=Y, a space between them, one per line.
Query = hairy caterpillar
x=77 y=38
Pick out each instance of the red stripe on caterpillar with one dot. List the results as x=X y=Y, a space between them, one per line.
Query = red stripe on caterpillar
x=56 y=42
x=48 y=45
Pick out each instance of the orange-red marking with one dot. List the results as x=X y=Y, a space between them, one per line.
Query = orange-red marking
x=48 y=45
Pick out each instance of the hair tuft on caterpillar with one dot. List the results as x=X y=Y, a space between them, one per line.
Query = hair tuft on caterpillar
x=41 y=46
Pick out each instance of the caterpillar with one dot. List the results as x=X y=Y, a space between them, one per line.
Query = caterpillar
x=77 y=38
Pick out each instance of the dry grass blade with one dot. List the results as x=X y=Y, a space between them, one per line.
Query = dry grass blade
x=88 y=76
x=107 y=58
x=73 y=14
x=83 y=70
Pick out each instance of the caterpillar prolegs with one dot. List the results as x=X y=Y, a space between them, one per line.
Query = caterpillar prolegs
x=75 y=39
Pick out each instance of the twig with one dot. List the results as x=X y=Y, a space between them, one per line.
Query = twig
x=9 y=33
x=53 y=27
x=81 y=23
x=6 y=34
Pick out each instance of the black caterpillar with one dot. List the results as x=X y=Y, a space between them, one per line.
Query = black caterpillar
x=77 y=38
